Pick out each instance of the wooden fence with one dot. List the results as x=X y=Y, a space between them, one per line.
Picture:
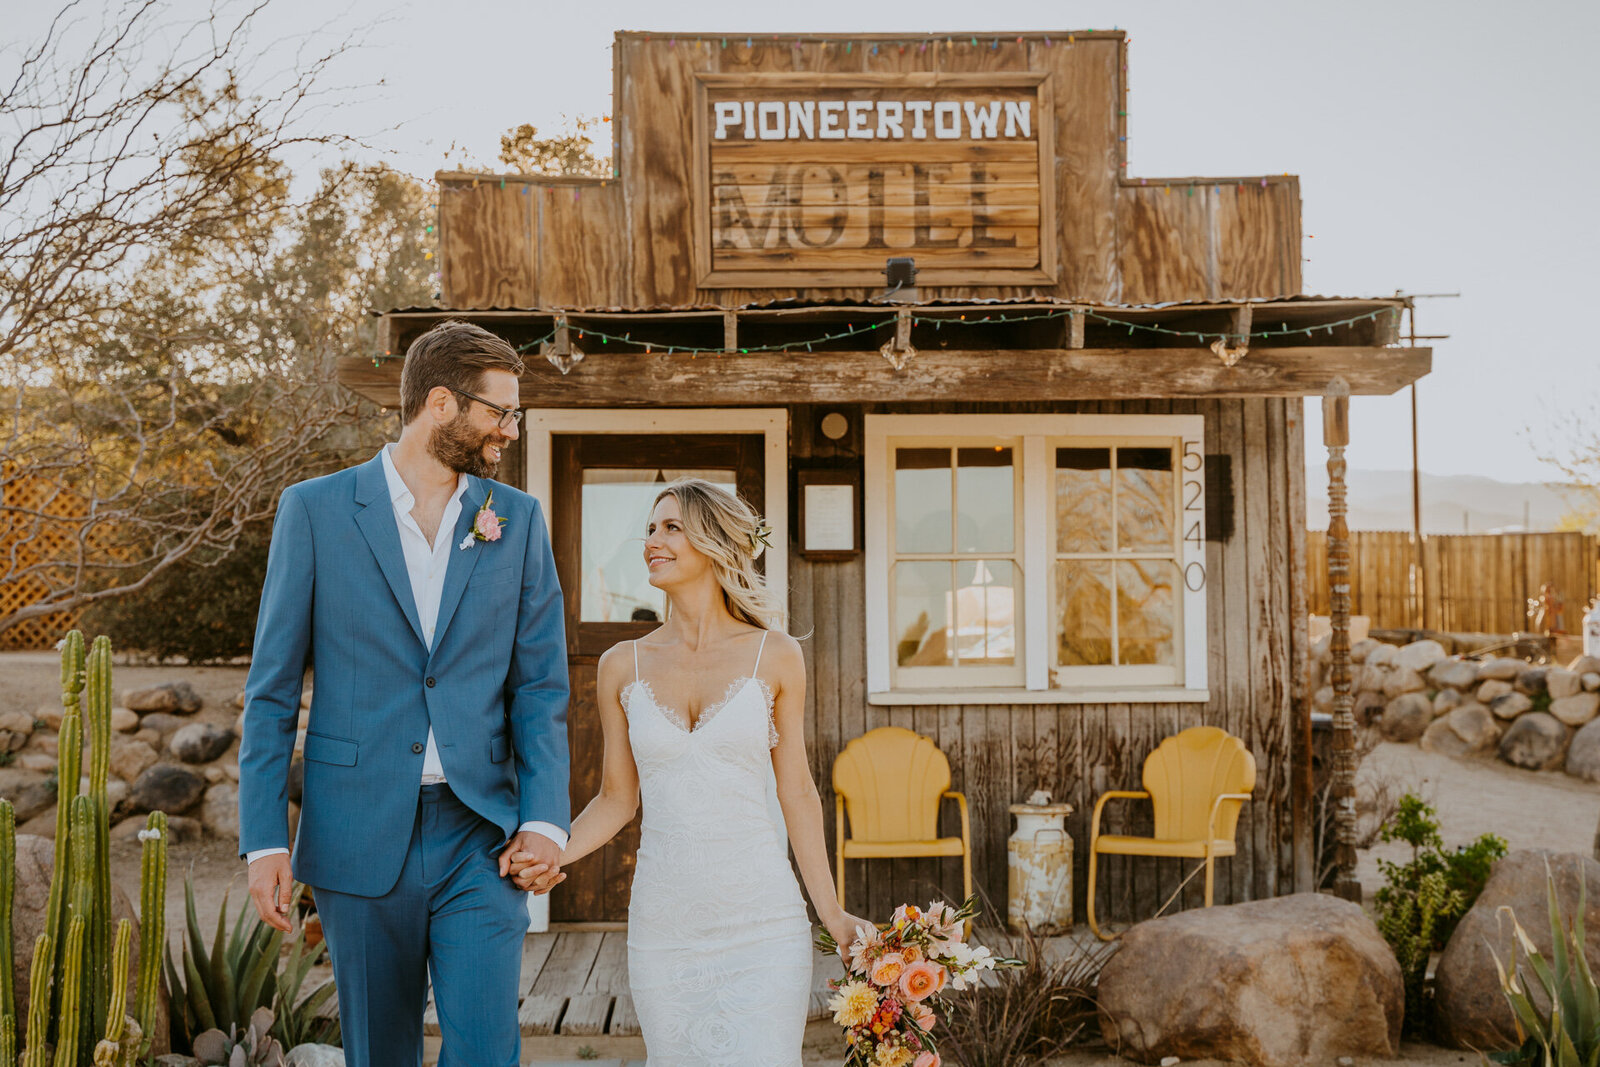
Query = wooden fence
x=1476 y=583
x=38 y=523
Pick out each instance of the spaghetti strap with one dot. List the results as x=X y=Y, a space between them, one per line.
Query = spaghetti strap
x=756 y=670
x=635 y=645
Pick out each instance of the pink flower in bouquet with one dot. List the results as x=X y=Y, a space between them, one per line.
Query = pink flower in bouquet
x=922 y=980
x=927 y=1059
x=922 y=1015
x=911 y=953
x=887 y=971
x=487 y=524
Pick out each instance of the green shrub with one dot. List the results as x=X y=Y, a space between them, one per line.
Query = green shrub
x=1424 y=899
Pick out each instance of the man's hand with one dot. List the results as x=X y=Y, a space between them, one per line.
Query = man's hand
x=531 y=859
x=271 y=885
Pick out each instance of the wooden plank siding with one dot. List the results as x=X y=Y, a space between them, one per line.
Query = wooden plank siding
x=628 y=240
x=1000 y=753
x=1476 y=583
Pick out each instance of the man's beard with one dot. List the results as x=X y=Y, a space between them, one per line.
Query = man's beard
x=461 y=448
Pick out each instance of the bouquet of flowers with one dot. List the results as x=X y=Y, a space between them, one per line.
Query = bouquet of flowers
x=893 y=976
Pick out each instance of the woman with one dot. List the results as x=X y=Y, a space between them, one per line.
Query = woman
x=694 y=714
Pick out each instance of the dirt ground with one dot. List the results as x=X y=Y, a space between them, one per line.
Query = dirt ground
x=1529 y=809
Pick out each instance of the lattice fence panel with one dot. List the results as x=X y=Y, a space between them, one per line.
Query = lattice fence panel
x=26 y=541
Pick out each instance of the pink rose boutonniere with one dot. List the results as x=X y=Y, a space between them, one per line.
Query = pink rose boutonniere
x=485 y=524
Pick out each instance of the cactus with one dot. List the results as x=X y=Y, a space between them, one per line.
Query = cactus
x=39 y=1003
x=8 y=888
x=97 y=708
x=152 y=918
x=8 y=1041
x=69 y=756
x=71 y=994
x=120 y=1048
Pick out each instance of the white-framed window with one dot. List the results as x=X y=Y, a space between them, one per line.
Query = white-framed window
x=1035 y=558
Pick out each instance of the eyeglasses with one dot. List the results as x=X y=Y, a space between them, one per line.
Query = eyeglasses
x=507 y=415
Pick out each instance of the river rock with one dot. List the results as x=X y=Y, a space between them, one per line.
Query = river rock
x=1438 y=737
x=1537 y=741
x=1368 y=707
x=1561 y=682
x=315 y=1056
x=1591 y=681
x=50 y=715
x=124 y=721
x=220 y=811
x=1532 y=681
x=167 y=787
x=163 y=722
x=1460 y=673
x=1420 y=655
x=30 y=792
x=1474 y=724
x=200 y=742
x=1446 y=701
x=1361 y=649
x=36 y=761
x=1504 y=668
x=1577 y=709
x=116 y=790
x=172 y=697
x=1470 y=1010
x=1382 y=655
x=34 y=864
x=1406 y=717
x=1510 y=705
x=1228 y=983
x=1583 y=754
x=1491 y=688
x=131 y=757
x=16 y=727
x=1403 y=680
x=1585 y=665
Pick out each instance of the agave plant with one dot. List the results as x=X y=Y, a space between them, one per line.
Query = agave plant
x=256 y=1047
x=1564 y=1031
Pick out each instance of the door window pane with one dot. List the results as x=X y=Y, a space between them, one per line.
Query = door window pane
x=1144 y=499
x=922 y=492
x=985 y=617
x=922 y=604
x=985 y=487
x=1083 y=606
x=1147 y=611
x=1083 y=500
x=616 y=508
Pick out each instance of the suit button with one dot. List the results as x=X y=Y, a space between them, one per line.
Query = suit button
x=429 y=683
x=417 y=748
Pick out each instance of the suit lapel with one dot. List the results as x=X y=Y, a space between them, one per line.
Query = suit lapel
x=462 y=560
x=375 y=519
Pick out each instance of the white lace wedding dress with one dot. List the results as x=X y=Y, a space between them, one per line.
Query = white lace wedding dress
x=719 y=944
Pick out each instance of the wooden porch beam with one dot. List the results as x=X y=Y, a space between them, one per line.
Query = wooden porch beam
x=608 y=379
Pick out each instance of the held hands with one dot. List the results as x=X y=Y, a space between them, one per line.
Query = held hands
x=271 y=886
x=842 y=928
x=533 y=862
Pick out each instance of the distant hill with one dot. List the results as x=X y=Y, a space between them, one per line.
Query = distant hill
x=1451 y=503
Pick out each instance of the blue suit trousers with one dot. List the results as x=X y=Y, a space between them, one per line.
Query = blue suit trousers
x=450 y=914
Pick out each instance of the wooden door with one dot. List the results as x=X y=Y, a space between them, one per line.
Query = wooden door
x=602 y=488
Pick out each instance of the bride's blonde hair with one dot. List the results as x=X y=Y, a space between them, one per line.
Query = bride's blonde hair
x=723 y=528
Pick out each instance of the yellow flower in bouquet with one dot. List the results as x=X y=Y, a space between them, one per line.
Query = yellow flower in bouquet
x=853 y=1004
x=894 y=1056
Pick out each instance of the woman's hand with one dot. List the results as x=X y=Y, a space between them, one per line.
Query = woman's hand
x=842 y=928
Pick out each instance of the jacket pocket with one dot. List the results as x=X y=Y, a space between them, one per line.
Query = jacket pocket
x=324 y=748
x=499 y=747
x=497 y=574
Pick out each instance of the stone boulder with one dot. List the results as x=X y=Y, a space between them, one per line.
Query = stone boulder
x=1229 y=983
x=1577 y=709
x=172 y=697
x=131 y=757
x=1590 y=680
x=1403 y=680
x=167 y=787
x=16 y=727
x=1406 y=717
x=1360 y=650
x=1446 y=701
x=35 y=859
x=163 y=723
x=1537 y=741
x=315 y=1056
x=1583 y=754
x=1503 y=668
x=1510 y=705
x=1532 y=681
x=1493 y=689
x=1382 y=655
x=1560 y=682
x=1476 y=726
x=219 y=813
x=1322 y=699
x=1438 y=737
x=1368 y=707
x=1420 y=655
x=1455 y=673
x=124 y=721
x=51 y=715
x=1585 y=665
x=1470 y=1011
x=200 y=742
x=30 y=792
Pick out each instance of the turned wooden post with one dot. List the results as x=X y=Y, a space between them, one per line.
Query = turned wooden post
x=1336 y=435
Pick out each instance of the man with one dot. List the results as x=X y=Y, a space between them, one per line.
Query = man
x=426 y=597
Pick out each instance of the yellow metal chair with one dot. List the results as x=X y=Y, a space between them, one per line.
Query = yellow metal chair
x=892 y=780
x=1196 y=781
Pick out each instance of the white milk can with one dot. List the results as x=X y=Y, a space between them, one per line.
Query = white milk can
x=1040 y=858
x=1591 y=630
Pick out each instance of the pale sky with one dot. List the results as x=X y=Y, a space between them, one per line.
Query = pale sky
x=1442 y=146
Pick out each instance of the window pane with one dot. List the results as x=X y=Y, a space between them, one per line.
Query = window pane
x=1083 y=613
x=922 y=489
x=1144 y=499
x=1147 y=614
x=985 y=602
x=984 y=487
x=1083 y=500
x=922 y=614
x=616 y=507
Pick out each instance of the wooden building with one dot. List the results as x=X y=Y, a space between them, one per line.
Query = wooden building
x=1047 y=506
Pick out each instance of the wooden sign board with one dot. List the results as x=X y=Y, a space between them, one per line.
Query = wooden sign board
x=812 y=180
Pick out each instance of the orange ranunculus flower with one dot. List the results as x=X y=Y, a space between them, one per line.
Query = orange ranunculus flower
x=922 y=980
x=888 y=969
x=912 y=953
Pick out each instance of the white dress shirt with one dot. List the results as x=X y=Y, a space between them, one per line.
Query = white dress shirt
x=426 y=565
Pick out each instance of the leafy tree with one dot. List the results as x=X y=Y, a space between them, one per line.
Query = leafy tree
x=567 y=154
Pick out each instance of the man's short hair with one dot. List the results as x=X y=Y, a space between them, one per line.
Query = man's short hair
x=455 y=355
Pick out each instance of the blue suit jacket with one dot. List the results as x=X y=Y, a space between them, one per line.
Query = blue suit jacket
x=494 y=687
